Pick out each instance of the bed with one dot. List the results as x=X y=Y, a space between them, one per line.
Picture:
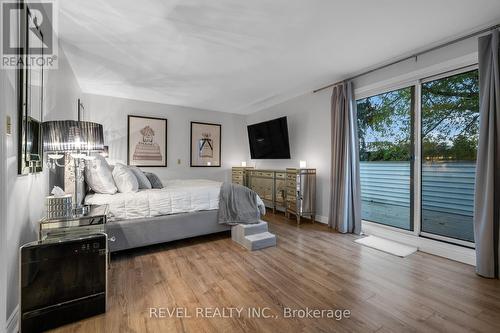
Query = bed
x=182 y=209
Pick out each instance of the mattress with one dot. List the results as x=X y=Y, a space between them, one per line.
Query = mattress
x=178 y=196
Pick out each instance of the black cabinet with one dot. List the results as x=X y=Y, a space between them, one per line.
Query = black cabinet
x=62 y=281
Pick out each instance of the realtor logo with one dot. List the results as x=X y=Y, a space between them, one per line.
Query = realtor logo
x=28 y=36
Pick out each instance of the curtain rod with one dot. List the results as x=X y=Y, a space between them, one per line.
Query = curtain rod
x=416 y=55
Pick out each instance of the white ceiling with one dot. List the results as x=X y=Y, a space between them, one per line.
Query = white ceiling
x=243 y=55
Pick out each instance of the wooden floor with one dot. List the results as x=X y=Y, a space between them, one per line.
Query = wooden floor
x=310 y=267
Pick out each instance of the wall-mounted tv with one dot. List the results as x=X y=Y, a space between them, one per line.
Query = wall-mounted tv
x=269 y=140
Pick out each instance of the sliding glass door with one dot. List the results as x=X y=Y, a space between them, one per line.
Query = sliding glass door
x=442 y=129
x=385 y=132
x=450 y=126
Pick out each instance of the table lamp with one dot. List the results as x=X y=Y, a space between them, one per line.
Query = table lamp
x=78 y=139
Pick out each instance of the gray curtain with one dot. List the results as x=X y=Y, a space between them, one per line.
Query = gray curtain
x=345 y=205
x=487 y=192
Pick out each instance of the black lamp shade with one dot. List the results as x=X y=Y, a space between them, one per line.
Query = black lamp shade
x=72 y=135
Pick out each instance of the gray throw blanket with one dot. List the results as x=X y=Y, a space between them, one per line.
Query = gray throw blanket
x=237 y=204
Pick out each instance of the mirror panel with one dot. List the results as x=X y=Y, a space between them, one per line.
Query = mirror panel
x=31 y=101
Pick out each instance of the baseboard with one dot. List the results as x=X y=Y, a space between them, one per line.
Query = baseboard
x=321 y=219
x=317 y=218
x=13 y=321
x=438 y=248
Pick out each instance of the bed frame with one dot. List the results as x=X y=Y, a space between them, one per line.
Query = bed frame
x=128 y=234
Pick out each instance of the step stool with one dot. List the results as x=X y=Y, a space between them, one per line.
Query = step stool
x=253 y=236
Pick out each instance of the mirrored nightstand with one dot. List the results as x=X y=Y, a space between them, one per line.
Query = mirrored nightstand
x=92 y=222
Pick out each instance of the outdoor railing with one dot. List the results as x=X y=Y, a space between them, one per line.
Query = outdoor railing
x=446 y=186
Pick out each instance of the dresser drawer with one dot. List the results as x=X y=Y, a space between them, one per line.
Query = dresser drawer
x=291 y=192
x=280 y=175
x=262 y=189
x=238 y=172
x=265 y=174
x=237 y=178
x=262 y=174
x=291 y=205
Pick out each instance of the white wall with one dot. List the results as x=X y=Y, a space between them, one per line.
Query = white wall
x=25 y=194
x=308 y=122
x=309 y=135
x=112 y=113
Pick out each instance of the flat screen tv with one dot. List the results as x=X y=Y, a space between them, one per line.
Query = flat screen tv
x=269 y=140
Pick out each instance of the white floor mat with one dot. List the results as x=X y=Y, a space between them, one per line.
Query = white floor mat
x=386 y=245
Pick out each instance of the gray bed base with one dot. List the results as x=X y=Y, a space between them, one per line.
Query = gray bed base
x=128 y=234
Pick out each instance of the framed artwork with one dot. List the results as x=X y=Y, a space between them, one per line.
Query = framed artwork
x=205 y=145
x=147 y=141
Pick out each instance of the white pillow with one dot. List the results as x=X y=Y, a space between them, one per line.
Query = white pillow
x=125 y=179
x=143 y=181
x=98 y=176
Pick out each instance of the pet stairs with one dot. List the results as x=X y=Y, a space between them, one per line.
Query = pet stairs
x=253 y=236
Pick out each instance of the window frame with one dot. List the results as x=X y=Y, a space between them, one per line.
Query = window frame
x=416 y=142
x=412 y=154
x=423 y=81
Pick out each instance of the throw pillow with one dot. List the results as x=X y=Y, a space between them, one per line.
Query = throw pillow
x=143 y=181
x=154 y=180
x=125 y=179
x=98 y=176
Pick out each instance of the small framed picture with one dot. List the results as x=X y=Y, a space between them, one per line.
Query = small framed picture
x=147 y=141
x=205 y=145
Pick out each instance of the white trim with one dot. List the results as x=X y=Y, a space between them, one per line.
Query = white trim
x=438 y=248
x=448 y=239
x=408 y=79
x=417 y=159
x=13 y=321
x=456 y=71
x=321 y=219
x=391 y=86
x=390 y=228
x=317 y=218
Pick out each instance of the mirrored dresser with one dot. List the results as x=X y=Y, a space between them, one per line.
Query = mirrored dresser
x=292 y=190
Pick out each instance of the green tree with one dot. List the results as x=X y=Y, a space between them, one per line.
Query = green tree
x=384 y=123
x=450 y=116
x=450 y=126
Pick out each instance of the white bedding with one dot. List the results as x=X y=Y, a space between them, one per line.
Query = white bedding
x=178 y=196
